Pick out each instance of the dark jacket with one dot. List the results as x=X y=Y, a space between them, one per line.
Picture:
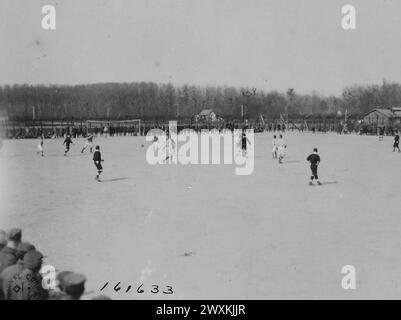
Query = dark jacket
x=27 y=285
x=8 y=257
x=8 y=277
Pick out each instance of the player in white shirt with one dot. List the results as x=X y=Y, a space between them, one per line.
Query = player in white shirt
x=88 y=143
x=281 y=149
x=169 y=147
x=40 y=146
x=274 y=150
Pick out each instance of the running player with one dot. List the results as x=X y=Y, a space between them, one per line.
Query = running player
x=88 y=143
x=97 y=159
x=274 y=150
x=67 y=143
x=169 y=147
x=281 y=149
x=40 y=145
x=396 y=144
x=314 y=160
x=244 y=141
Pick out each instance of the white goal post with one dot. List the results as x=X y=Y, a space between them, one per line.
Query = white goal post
x=133 y=125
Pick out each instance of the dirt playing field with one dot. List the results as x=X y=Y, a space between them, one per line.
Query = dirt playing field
x=206 y=232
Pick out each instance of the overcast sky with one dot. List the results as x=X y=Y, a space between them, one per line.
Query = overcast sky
x=269 y=44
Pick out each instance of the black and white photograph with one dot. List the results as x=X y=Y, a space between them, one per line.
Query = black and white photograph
x=200 y=150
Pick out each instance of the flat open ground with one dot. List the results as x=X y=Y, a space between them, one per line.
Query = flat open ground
x=205 y=231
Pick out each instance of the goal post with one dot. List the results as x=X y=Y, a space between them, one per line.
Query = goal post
x=114 y=127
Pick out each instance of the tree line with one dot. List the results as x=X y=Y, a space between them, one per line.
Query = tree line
x=148 y=100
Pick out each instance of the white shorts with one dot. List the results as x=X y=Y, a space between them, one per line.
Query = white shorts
x=281 y=152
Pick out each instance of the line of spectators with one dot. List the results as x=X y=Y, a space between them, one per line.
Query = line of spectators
x=20 y=277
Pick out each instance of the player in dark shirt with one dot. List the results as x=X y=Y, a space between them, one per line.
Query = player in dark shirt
x=97 y=159
x=314 y=160
x=244 y=141
x=67 y=143
x=396 y=144
x=381 y=133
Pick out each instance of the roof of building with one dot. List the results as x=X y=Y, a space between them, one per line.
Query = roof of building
x=386 y=112
x=206 y=112
x=397 y=112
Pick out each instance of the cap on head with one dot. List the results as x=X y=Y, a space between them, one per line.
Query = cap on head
x=24 y=247
x=74 y=284
x=72 y=279
x=315 y=149
x=14 y=234
x=60 y=278
x=33 y=260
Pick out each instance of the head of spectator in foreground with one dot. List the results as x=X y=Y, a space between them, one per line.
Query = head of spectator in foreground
x=23 y=248
x=74 y=285
x=14 y=237
x=33 y=260
x=3 y=239
x=60 y=279
x=97 y=147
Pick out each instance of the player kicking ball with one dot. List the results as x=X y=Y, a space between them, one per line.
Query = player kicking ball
x=88 y=143
x=314 y=160
x=97 y=159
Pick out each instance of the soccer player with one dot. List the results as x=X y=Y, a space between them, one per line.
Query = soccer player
x=67 y=143
x=381 y=133
x=281 y=148
x=40 y=145
x=97 y=159
x=396 y=144
x=274 y=150
x=314 y=160
x=169 y=147
x=88 y=143
x=244 y=141
x=155 y=143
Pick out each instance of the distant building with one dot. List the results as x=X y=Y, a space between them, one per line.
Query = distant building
x=383 y=117
x=206 y=115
